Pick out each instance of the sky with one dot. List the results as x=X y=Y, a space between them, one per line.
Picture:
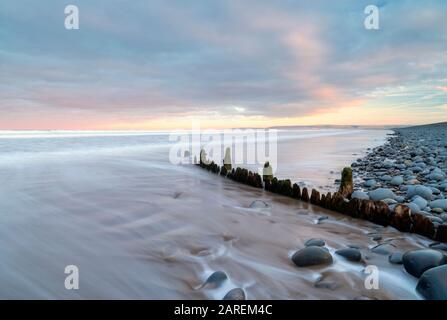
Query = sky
x=165 y=64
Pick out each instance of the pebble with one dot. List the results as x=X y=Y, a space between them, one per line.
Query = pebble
x=416 y=169
x=388 y=164
x=314 y=242
x=360 y=195
x=416 y=262
x=412 y=182
x=380 y=250
x=442 y=203
x=435 y=176
x=436 y=219
x=235 y=294
x=397 y=180
x=389 y=201
x=312 y=256
x=420 y=202
x=381 y=194
x=216 y=279
x=414 y=207
x=439 y=246
x=433 y=283
x=424 y=192
x=350 y=253
x=395 y=258
x=370 y=183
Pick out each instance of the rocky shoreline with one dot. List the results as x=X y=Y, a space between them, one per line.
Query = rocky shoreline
x=409 y=170
x=400 y=184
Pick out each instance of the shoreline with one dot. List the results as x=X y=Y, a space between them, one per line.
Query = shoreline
x=387 y=203
x=380 y=204
x=409 y=170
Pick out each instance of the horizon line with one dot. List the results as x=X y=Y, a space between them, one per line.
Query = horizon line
x=378 y=126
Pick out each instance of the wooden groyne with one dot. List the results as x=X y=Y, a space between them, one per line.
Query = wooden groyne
x=377 y=212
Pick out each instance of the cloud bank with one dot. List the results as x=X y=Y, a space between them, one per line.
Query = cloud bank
x=152 y=64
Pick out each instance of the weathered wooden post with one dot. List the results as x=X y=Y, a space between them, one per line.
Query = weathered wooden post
x=346 y=184
x=296 y=190
x=267 y=172
x=227 y=159
x=286 y=189
x=305 y=195
x=203 y=160
x=315 y=197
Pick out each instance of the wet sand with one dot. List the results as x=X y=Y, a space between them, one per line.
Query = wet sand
x=140 y=228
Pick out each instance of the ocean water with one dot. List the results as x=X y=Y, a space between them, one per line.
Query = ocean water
x=137 y=226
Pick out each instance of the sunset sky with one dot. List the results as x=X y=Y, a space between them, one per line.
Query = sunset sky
x=163 y=64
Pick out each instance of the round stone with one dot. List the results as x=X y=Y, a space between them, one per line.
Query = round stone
x=420 y=202
x=441 y=203
x=370 y=183
x=416 y=262
x=397 y=180
x=359 y=195
x=350 y=253
x=436 y=219
x=416 y=169
x=395 y=258
x=381 y=249
x=436 y=176
x=414 y=207
x=312 y=256
x=314 y=242
x=381 y=194
x=439 y=246
x=433 y=283
x=389 y=201
x=424 y=192
x=216 y=279
x=235 y=294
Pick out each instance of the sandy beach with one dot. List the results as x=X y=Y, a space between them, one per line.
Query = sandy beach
x=139 y=227
x=224 y=150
